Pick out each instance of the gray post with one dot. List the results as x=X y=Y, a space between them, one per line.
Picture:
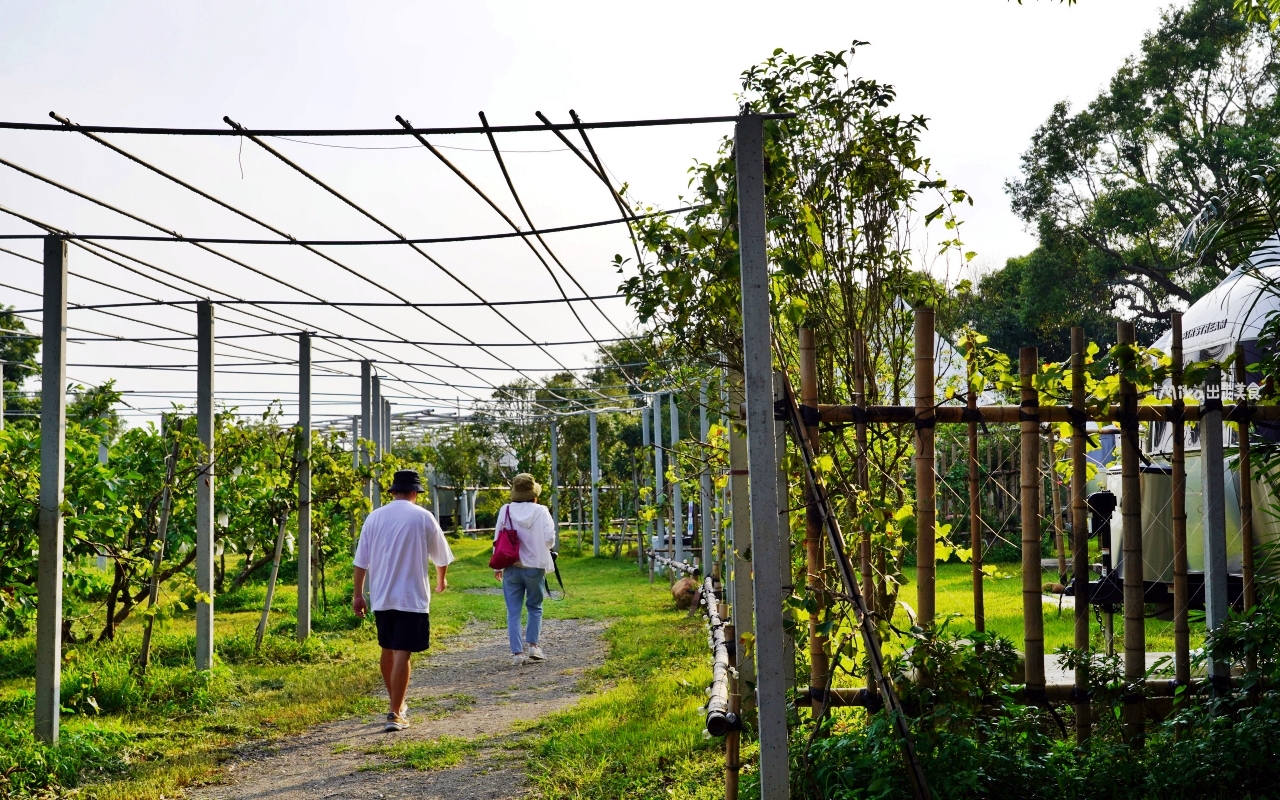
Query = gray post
x=355 y=438
x=644 y=444
x=2 y=363
x=375 y=433
x=304 y=486
x=785 y=578
x=366 y=419
x=677 y=517
x=386 y=426
x=595 y=487
x=704 y=431
x=53 y=446
x=757 y=361
x=659 y=496
x=1216 y=605
x=555 y=480
x=204 y=486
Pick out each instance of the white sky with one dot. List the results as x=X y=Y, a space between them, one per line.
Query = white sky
x=985 y=72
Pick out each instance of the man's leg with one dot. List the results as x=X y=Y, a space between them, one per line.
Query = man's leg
x=395 y=672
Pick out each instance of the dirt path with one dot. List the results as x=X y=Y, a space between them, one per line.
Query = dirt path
x=466 y=688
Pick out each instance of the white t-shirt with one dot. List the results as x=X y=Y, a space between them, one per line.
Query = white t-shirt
x=535 y=530
x=395 y=543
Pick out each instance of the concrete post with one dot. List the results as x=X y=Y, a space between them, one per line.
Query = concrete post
x=386 y=426
x=704 y=501
x=785 y=577
x=375 y=433
x=757 y=357
x=1216 y=603
x=659 y=495
x=644 y=444
x=366 y=419
x=677 y=504
x=53 y=429
x=555 y=480
x=204 y=485
x=304 y=486
x=738 y=555
x=595 y=487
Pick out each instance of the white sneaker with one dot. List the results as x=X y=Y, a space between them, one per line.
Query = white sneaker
x=535 y=653
x=517 y=659
x=395 y=722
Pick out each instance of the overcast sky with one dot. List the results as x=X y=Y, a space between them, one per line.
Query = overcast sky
x=985 y=72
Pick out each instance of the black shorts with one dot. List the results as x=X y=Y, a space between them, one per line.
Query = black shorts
x=403 y=630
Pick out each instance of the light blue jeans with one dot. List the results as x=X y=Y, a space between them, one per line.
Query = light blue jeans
x=523 y=585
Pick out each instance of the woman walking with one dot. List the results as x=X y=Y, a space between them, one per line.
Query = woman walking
x=522 y=581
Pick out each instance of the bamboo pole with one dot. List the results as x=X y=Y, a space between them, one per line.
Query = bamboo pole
x=1055 y=499
x=1135 y=638
x=271 y=584
x=926 y=483
x=1245 y=471
x=1181 y=626
x=813 y=550
x=1032 y=606
x=1080 y=531
x=860 y=441
x=157 y=553
x=975 y=505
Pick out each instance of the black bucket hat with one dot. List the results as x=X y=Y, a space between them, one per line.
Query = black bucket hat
x=406 y=480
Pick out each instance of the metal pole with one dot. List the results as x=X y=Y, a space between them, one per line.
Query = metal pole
x=1135 y=634
x=386 y=426
x=1032 y=607
x=1216 y=601
x=677 y=504
x=1080 y=529
x=304 y=487
x=659 y=495
x=926 y=482
x=375 y=431
x=704 y=432
x=757 y=358
x=555 y=480
x=204 y=485
x=53 y=447
x=813 y=525
x=1181 y=626
x=595 y=486
x=366 y=420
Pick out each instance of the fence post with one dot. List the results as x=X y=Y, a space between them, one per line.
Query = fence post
x=976 y=541
x=555 y=479
x=1135 y=634
x=204 y=485
x=785 y=577
x=1246 y=484
x=659 y=480
x=1181 y=626
x=53 y=430
x=304 y=486
x=1216 y=600
x=644 y=444
x=375 y=433
x=677 y=503
x=704 y=501
x=926 y=481
x=366 y=421
x=813 y=530
x=863 y=471
x=1032 y=606
x=757 y=359
x=595 y=486
x=1080 y=530
x=738 y=552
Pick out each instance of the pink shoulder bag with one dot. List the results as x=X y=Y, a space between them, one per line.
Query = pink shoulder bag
x=506 y=548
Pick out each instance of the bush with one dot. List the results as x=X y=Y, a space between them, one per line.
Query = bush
x=29 y=768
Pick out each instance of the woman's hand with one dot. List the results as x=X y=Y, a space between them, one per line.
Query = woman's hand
x=497 y=574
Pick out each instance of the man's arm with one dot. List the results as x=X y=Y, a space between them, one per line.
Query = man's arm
x=357 y=593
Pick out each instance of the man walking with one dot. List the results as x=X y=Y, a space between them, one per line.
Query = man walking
x=395 y=544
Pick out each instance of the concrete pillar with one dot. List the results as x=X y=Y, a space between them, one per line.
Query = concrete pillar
x=677 y=505
x=704 y=500
x=757 y=358
x=644 y=444
x=1216 y=601
x=366 y=420
x=304 y=486
x=659 y=485
x=204 y=485
x=375 y=433
x=595 y=487
x=555 y=480
x=53 y=429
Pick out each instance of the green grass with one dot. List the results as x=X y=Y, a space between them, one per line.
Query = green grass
x=133 y=737
x=1002 y=601
x=442 y=753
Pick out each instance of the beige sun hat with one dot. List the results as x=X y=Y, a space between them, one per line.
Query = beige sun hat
x=524 y=488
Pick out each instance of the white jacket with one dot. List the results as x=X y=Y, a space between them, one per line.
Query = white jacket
x=535 y=530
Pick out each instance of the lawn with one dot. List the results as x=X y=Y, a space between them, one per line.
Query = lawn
x=127 y=736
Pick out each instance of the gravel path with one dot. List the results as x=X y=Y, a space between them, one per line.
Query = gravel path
x=466 y=688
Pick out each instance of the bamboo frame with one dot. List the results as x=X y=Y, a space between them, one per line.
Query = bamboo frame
x=1135 y=632
x=1032 y=607
x=926 y=481
x=819 y=667
x=1080 y=532
x=1181 y=599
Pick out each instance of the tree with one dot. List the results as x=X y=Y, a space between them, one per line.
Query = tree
x=1111 y=188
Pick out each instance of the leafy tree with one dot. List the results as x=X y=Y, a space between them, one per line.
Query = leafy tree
x=1111 y=188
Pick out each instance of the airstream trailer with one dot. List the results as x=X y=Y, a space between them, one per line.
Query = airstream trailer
x=1233 y=313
